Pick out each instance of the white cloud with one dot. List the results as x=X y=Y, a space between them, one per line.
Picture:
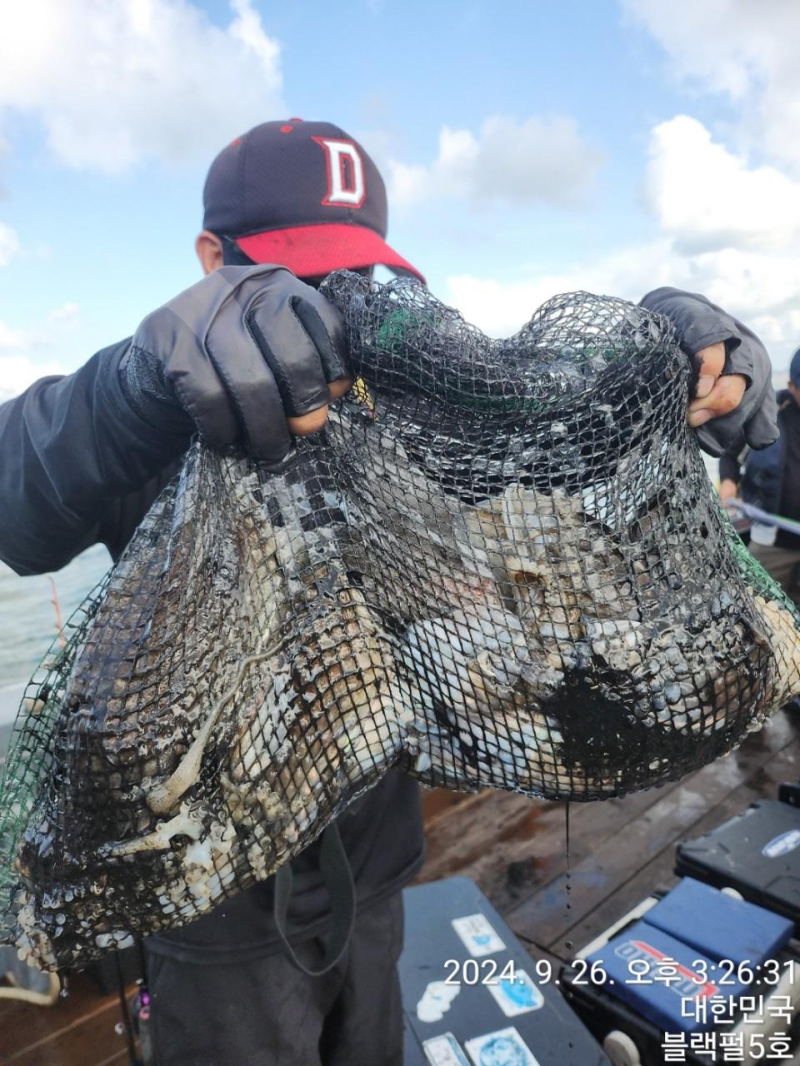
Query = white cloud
x=17 y=372
x=707 y=197
x=743 y=49
x=66 y=313
x=538 y=159
x=116 y=83
x=501 y=309
x=9 y=244
x=724 y=228
x=12 y=338
x=26 y=355
x=758 y=288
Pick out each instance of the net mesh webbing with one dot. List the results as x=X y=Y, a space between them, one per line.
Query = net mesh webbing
x=501 y=564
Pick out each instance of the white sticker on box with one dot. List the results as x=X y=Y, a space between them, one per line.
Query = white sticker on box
x=517 y=994
x=477 y=935
x=503 y=1048
x=436 y=1001
x=444 y=1050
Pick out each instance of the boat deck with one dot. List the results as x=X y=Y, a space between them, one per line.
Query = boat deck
x=514 y=848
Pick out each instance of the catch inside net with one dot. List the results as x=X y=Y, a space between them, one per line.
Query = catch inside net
x=500 y=564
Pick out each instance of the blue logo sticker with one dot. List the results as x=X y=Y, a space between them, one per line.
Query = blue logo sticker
x=516 y=996
x=519 y=993
x=782 y=845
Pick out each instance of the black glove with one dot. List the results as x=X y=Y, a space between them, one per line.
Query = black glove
x=699 y=323
x=235 y=356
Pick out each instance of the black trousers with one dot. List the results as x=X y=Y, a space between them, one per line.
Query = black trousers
x=266 y=1012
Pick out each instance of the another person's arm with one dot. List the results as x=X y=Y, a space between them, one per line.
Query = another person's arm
x=730 y=474
x=734 y=400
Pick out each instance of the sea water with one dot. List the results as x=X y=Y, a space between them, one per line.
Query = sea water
x=28 y=618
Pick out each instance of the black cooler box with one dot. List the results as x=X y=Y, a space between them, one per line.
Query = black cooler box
x=472 y=994
x=756 y=853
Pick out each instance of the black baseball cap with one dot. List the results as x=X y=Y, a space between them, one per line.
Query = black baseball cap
x=304 y=195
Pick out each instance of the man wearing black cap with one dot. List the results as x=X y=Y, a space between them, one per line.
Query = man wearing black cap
x=770 y=480
x=302 y=194
x=249 y=357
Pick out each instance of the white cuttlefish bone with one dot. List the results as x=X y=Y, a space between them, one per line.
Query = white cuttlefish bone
x=183 y=824
x=164 y=797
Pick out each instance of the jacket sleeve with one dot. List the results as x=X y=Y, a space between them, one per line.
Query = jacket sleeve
x=698 y=323
x=70 y=447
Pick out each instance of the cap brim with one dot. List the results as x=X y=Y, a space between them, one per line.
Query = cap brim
x=311 y=251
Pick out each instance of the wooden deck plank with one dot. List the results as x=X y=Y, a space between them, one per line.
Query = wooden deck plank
x=6 y=1007
x=755 y=770
x=27 y=1023
x=513 y=847
x=115 y=1060
x=436 y=800
x=659 y=871
x=89 y=1040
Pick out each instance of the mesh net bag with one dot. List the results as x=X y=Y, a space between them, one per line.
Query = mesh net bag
x=501 y=564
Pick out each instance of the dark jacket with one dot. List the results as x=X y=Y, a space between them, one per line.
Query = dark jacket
x=77 y=468
x=770 y=479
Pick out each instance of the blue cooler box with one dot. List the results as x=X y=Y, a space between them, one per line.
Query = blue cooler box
x=680 y=966
x=718 y=925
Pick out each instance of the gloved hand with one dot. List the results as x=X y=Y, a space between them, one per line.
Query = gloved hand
x=734 y=401
x=247 y=356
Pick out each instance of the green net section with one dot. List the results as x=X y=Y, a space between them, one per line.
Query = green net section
x=31 y=761
x=759 y=580
x=500 y=564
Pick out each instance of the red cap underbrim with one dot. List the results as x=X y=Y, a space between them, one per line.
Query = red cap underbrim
x=310 y=251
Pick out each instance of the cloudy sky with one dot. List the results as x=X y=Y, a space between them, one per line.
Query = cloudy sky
x=530 y=147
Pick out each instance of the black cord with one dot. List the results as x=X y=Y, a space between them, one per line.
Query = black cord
x=142 y=963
